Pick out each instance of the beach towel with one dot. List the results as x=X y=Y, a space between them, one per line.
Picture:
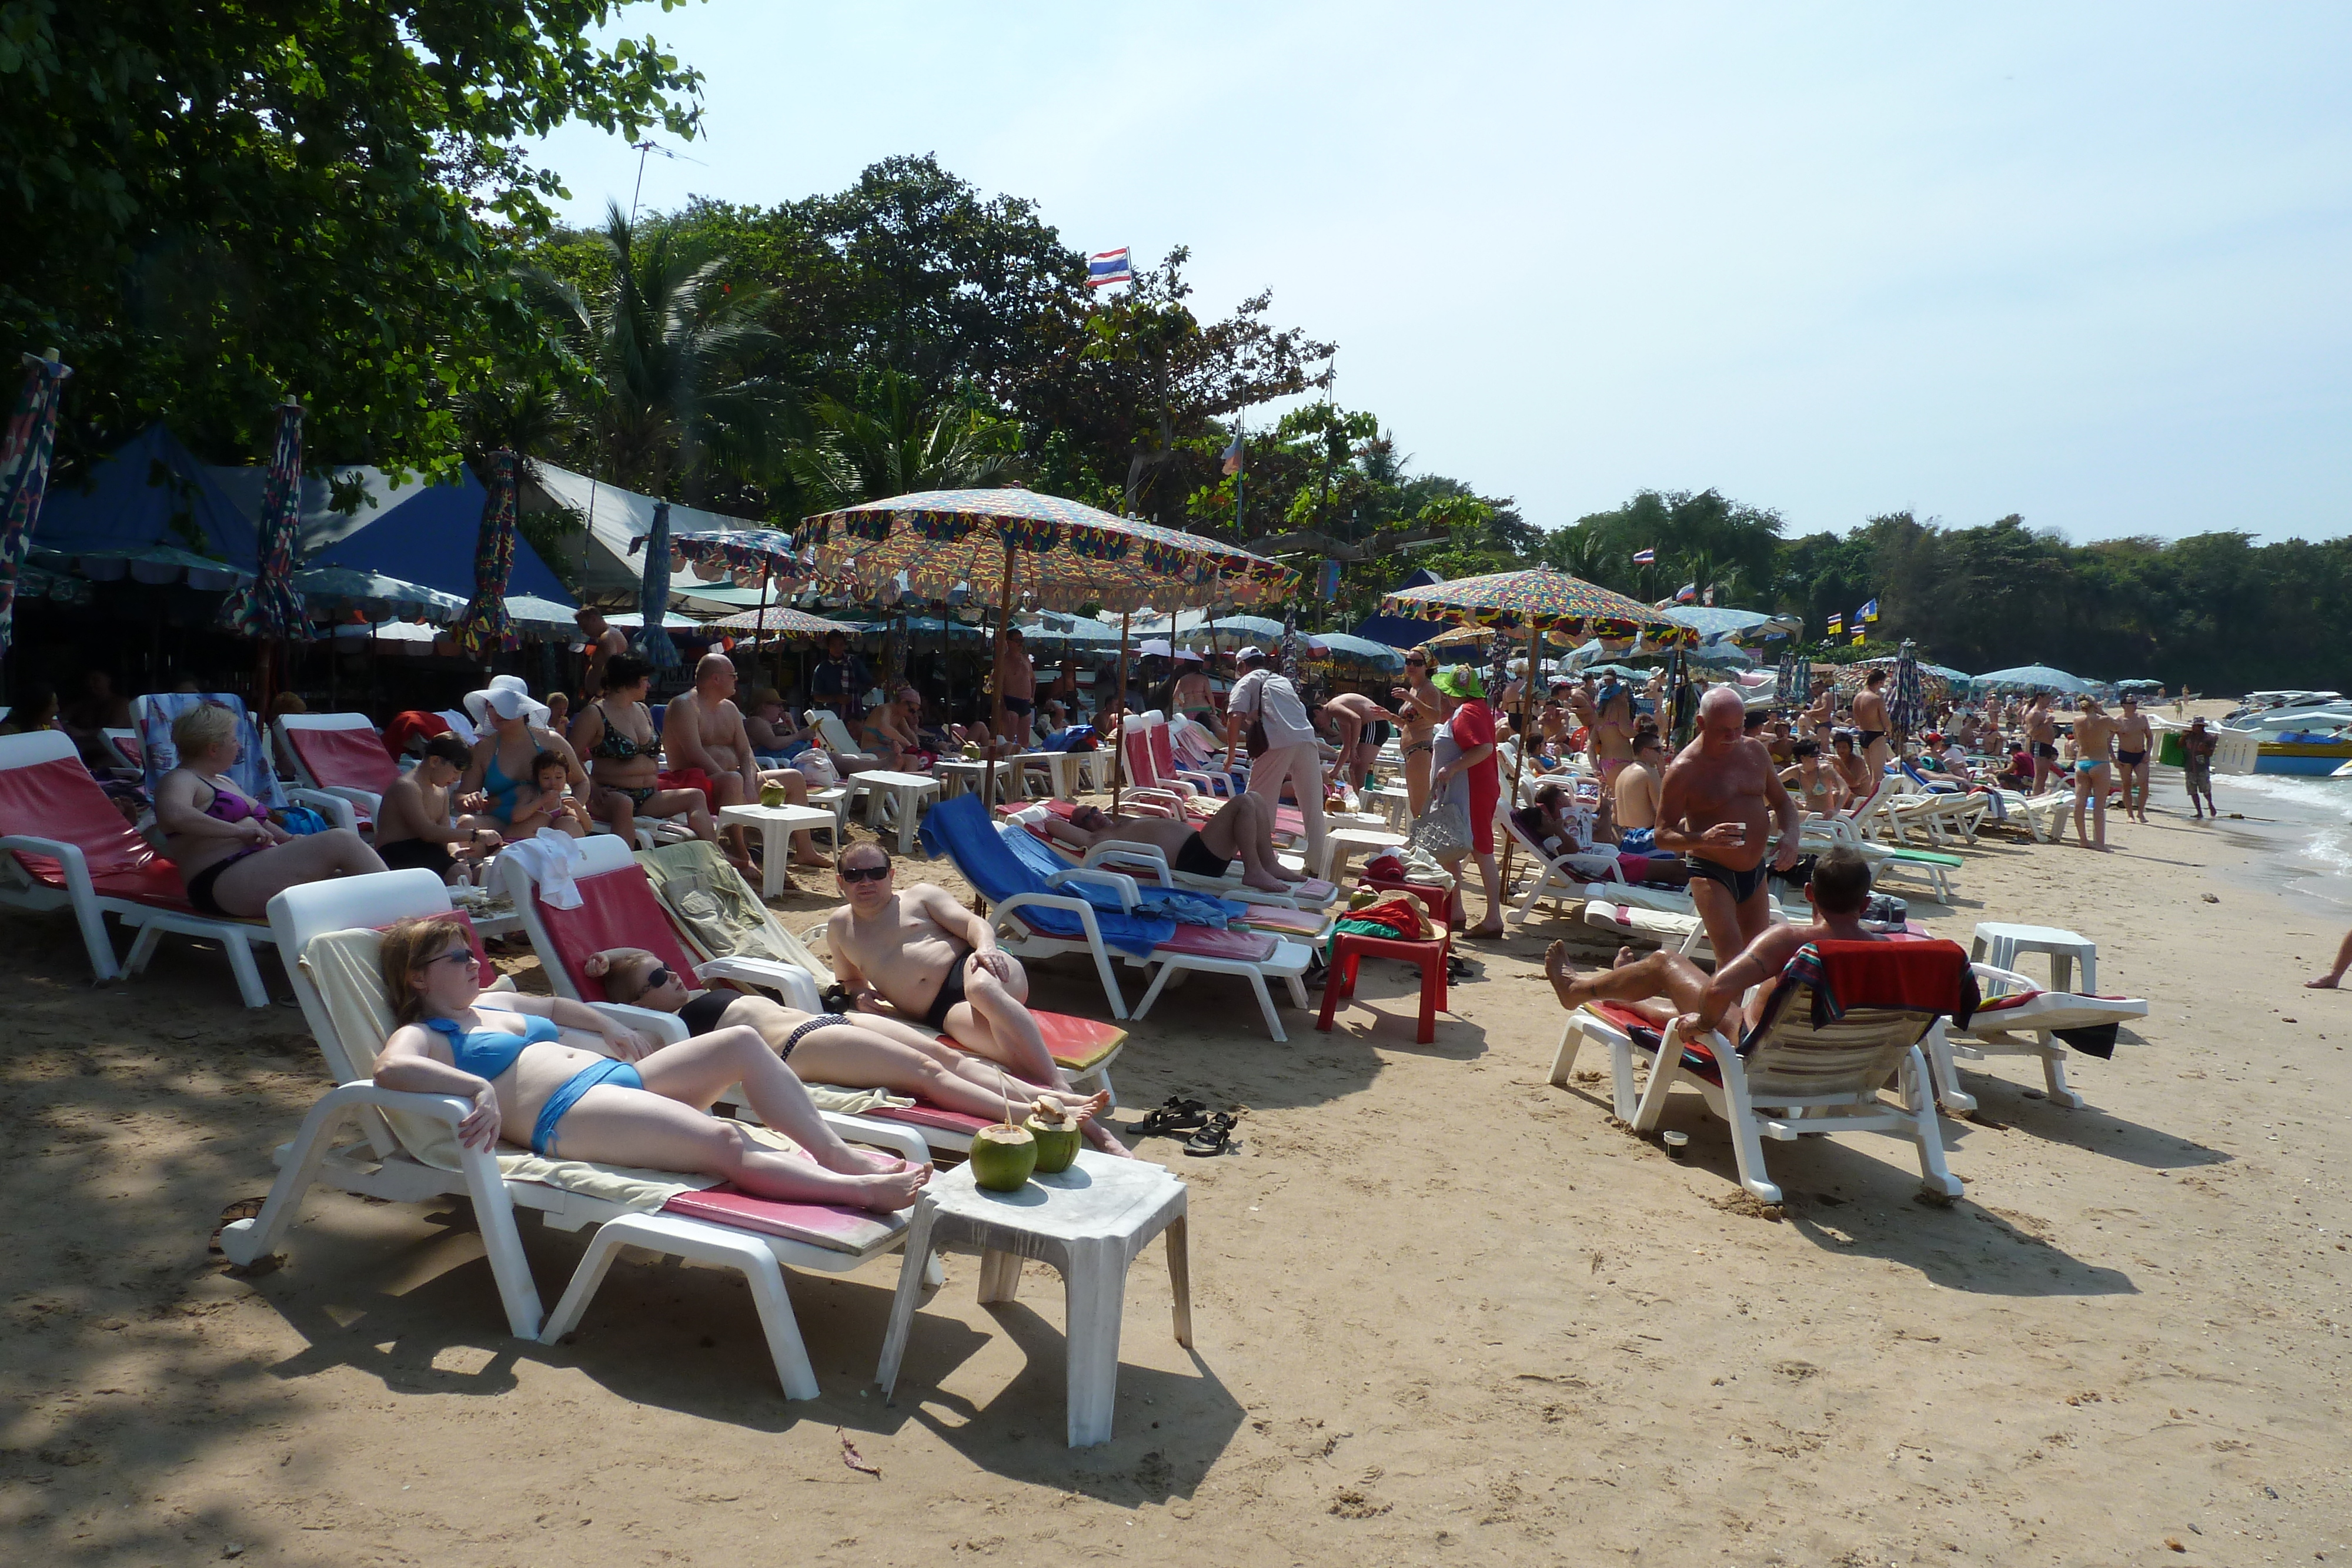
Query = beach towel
x=410 y=727
x=1175 y=904
x=1908 y=976
x=960 y=829
x=251 y=772
x=720 y=913
x=551 y=856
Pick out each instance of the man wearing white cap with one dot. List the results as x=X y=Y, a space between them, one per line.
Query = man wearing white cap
x=1290 y=756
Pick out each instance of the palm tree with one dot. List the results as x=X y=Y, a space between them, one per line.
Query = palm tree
x=891 y=441
x=666 y=342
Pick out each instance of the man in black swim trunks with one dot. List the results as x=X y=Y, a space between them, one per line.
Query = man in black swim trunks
x=1242 y=830
x=1721 y=797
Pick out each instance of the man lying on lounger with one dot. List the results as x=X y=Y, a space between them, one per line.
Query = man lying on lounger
x=1665 y=986
x=869 y=1051
x=924 y=956
x=1242 y=830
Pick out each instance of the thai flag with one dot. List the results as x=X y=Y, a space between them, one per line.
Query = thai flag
x=1646 y=558
x=1686 y=594
x=1837 y=623
x=1108 y=267
x=1232 y=463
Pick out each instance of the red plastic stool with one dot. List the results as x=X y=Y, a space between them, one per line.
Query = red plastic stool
x=1347 y=947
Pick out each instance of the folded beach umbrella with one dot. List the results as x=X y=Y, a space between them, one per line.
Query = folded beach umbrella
x=25 y=452
x=1908 y=711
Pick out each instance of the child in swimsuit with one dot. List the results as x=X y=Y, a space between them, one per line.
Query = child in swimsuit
x=506 y=1054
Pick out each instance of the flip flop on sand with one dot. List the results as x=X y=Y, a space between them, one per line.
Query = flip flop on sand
x=1173 y=1119
x=1211 y=1139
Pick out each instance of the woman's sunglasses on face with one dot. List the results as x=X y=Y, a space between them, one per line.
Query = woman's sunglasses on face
x=659 y=977
x=865 y=873
x=454 y=955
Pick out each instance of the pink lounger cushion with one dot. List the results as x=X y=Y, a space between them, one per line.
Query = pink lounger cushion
x=923 y=1114
x=345 y=758
x=826 y=1225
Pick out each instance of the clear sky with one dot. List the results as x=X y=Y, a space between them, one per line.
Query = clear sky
x=2090 y=264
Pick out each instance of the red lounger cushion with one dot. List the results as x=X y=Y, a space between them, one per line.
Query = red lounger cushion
x=1206 y=942
x=347 y=758
x=617 y=909
x=826 y=1225
x=923 y=1114
x=59 y=800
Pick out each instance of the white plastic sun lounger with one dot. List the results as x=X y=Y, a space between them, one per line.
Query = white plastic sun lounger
x=382 y=1162
x=1789 y=1078
x=2018 y=1018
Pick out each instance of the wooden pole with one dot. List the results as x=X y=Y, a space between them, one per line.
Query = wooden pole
x=1118 y=742
x=996 y=671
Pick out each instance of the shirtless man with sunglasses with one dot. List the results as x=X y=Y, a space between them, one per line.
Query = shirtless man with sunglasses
x=918 y=954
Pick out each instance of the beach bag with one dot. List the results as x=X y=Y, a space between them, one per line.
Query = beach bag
x=1442 y=834
x=817 y=768
x=302 y=819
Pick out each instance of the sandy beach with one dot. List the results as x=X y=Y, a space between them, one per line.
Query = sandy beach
x=1445 y=1312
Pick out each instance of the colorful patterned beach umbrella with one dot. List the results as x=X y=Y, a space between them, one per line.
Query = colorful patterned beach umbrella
x=25 y=452
x=1908 y=710
x=1354 y=656
x=267 y=606
x=485 y=628
x=1540 y=599
x=744 y=554
x=1011 y=544
x=654 y=644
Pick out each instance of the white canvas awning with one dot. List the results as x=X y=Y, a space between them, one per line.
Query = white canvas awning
x=599 y=559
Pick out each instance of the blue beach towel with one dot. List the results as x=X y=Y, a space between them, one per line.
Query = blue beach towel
x=959 y=830
x=1182 y=907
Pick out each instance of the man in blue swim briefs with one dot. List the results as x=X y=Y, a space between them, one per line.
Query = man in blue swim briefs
x=525 y=1064
x=1719 y=798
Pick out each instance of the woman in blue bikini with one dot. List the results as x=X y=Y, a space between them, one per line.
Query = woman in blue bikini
x=520 y=1059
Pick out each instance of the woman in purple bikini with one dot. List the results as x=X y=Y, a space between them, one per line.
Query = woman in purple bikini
x=232 y=857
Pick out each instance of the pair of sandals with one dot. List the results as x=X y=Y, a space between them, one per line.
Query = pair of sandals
x=1203 y=1132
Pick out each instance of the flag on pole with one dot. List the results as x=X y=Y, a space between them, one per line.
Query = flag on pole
x=1860 y=631
x=1232 y=459
x=1867 y=612
x=1108 y=267
x=1686 y=594
x=1646 y=558
x=1327 y=581
x=1837 y=623
x=1709 y=599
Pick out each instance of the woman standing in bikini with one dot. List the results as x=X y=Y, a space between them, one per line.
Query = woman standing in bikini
x=616 y=731
x=1420 y=708
x=1613 y=732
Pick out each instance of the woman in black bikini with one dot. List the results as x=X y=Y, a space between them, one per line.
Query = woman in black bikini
x=234 y=859
x=868 y=1051
x=623 y=768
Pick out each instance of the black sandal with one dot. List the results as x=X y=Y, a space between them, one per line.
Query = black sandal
x=1213 y=1138
x=1172 y=1119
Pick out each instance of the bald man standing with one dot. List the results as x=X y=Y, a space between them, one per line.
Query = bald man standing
x=1719 y=799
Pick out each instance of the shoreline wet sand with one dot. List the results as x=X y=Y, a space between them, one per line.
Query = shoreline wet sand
x=1443 y=1311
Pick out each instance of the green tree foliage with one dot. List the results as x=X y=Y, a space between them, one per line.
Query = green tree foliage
x=892 y=441
x=211 y=207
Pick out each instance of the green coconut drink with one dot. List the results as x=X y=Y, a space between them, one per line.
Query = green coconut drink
x=1003 y=1157
x=1056 y=1134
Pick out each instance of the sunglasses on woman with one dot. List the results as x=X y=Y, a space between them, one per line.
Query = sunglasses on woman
x=658 y=977
x=865 y=873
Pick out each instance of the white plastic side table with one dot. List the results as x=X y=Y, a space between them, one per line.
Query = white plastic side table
x=1998 y=942
x=776 y=824
x=899 y=793
x=1089 y=1222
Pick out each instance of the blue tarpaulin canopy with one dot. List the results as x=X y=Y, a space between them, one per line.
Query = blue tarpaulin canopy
x=417 y=532
x=150 y=492
x=1397 y=631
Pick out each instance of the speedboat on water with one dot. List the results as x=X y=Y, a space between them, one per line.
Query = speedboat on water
x=2318 y=748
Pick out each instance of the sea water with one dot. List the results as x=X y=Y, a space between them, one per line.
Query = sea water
x=2300 y=828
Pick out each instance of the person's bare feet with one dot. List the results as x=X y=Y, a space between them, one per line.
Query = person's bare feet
x=1625 y=955
x=1485 y=933
x=1561 y=972
x=856 y=1161
x=2325 y=983
x=1099 y=1135
x=1264 y=882
x=888 y=1191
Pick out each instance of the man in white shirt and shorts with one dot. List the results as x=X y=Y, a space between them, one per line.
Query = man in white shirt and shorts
x=1291 y=755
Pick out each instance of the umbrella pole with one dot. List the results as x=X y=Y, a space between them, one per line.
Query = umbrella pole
x=1519 y=758
x=1119 y=743
x=996 y=672
x=759 y=626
